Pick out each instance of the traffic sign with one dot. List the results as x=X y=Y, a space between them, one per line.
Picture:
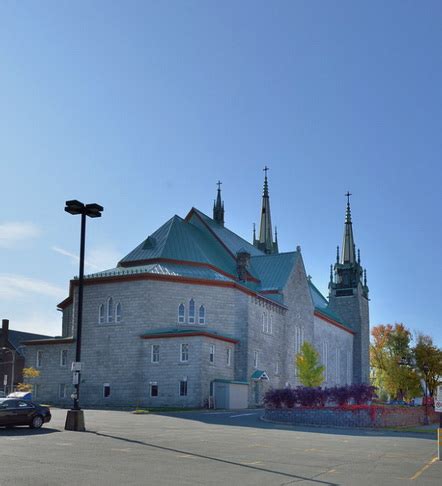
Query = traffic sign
x=438 y=405
x=76 y=366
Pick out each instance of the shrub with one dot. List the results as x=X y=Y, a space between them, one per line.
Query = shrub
x=362 y=393
x=279 y=398
x=340 y=394
x=310 y=396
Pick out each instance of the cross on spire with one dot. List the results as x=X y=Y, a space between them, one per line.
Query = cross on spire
x=218 y=207
x=348 y=196
x=265 y=170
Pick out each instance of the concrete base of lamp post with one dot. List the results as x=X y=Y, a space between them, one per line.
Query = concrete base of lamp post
x=75 y=421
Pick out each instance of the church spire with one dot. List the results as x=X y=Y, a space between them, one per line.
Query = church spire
x=265 y=241
x=218 y=207
x=348 y=245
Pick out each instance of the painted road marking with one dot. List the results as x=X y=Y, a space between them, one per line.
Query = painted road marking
x=424 y=468
x=243 y=415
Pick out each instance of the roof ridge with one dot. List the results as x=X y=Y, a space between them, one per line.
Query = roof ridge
x=225 y=228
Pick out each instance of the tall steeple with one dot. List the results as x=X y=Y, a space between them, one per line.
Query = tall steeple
x=218 y=207
x=348 y=244
x=265 y=241
x=348 y=298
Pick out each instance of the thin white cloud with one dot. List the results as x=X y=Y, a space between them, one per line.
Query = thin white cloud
x=74 y=258
x=13 y=232
x=98 y=258
x=16 y=286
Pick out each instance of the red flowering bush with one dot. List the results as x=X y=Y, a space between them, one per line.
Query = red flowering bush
x=319 y=397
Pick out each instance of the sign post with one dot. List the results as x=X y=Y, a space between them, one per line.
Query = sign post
x=438 y=408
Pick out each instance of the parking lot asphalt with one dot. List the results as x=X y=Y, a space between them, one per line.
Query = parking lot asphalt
x=210 y=448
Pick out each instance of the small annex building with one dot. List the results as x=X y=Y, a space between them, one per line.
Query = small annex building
x=195 y=309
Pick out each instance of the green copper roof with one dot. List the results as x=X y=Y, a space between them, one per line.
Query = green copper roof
x=259 y=375
x=172 y=269
x=318 y=299
x=179 y=240
x=232 y=241
x=273 y=270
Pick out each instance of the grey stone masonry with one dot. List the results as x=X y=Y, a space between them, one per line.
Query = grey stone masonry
x=354 y=310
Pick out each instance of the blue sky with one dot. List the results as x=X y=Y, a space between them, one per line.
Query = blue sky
x=143 y=106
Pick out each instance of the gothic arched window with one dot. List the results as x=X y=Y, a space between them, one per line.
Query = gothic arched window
x=191 y=311
x=181 y=314
x=101 y=316
x=110 y=310
x=118 y=312
x=202 y=315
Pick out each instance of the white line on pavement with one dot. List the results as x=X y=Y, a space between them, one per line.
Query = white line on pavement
x=242 y=415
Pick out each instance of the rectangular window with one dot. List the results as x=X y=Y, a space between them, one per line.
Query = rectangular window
x=277 y=367
x=271 y=324
x=106 y=390
x=64 y=357
x=155 y=353
x=153 y=389
x=39 y=359
x=348 y=368
x=184 y=353
x=62 y=390
x=212 y=353
x=183 y=388
x=35 y=391
x=229 y=356
x=255 y=359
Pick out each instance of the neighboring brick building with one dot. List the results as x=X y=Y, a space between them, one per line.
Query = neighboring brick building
x=12 y=359
x=194 y=303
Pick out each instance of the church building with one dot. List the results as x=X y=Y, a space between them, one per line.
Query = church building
x=195 y=307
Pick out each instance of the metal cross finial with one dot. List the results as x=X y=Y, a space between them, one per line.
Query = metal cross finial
x=219 y=185
x=348 y=196
x=265 y=170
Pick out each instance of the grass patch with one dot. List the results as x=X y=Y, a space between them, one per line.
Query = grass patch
x=417 y=430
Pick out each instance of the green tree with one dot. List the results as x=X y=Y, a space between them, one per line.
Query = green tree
x=310 y=371
x=390 y=351
x=427 y=353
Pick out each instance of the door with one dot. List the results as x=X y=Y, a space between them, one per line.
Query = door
x=23 y=412
x=3 y=413
x=7 y=415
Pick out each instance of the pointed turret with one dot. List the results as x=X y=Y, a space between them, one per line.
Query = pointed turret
x=348 y=298
x=348 y=244
x=265 y=241
x=218 y=207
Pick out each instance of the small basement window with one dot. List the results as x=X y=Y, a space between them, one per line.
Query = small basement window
x=106 y=390
x=154 y=389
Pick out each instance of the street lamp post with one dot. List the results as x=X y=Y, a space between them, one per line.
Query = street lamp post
x=75 y=416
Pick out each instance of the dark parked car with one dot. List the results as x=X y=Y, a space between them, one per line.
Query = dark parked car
x=14 y=411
